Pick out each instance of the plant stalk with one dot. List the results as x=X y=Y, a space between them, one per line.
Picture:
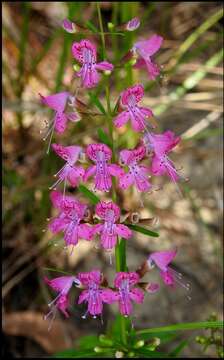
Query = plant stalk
x=120 y=246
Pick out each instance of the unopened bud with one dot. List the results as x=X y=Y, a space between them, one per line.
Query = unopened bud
x=76 y=67
x=107 y=72
x=110 y=26
x=133 y=61
x=98 y=349
x=200 y=339
x=156 y=341
x=133 y=24
x=119 y=354
x=139 y=344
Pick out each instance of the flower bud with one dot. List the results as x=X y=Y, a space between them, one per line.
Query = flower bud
x=107 y=72
x=98 y=349
x=133 y=61
x=139 y=344
x=76 y=67
x=119 y=354
x=110 y=26
x=200 y=339
x=156 y=341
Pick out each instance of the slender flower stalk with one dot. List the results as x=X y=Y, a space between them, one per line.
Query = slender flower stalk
x=118 y=254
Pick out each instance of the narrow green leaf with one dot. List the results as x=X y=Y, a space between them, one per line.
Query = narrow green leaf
x=104 y=138
x=184 y=326
x=142 y=230
x=95 y=100
x=179 y=348
x=88 y=194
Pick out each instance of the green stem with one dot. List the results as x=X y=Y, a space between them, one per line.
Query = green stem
x=120 y=246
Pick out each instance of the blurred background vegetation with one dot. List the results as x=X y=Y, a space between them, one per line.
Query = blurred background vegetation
x=187 y=99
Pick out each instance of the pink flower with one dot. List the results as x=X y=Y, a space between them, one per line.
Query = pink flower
x=161 y=145
x=68 y=220
x=59 y=102
x=110 y=213
x=85 y=53
x=110 y=230
x=69 y=26
x=162 y=260
x=137 y=114
x=133 y=24
x=124 y=282
x=69 y=172
x=93 y=294
x=102 y=171
x=62 y=285
x=145 y=49
x=138 y=174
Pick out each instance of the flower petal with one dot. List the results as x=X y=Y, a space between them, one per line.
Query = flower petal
x=108 y=241
x=150 y=46
x=68 y=153
x=61 y=283
x=132 y=277
x=58 y=224
x=75 y=174
x=68 y=26
x=123 y=231
x=146 y=111
x=97 y=229
x=89 y=172
x=102 y=209
x=126 y=180
x=60 y=122
x=78 y=47
x=87 y=278
x=142 y=183
x=121 y=119
x=163 y=258
x=57 y=101
x=125 y=306
x=133 y=24
x=104 y=65
x=153 y=69
x=85 y=232
x=157 y=167
x=167 y=278
x=115 y=170
x=83 y=296
x=109 y=296
x=137 y=295
x=93 y=149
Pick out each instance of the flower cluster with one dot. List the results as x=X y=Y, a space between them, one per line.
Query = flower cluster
x=134 y=167
x=127 y=287
x=71 y=216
